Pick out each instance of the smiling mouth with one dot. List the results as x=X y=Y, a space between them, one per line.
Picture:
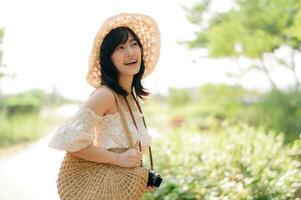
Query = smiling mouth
x=131 y=63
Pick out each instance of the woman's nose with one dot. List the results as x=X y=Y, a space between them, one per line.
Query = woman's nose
x=130 y=51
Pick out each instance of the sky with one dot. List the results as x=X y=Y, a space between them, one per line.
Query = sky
x=47 y=45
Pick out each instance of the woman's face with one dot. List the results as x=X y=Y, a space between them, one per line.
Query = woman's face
x=127 y=57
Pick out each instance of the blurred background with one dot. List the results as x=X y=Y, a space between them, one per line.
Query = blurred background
x=225 y=107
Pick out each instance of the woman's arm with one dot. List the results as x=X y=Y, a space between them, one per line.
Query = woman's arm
x=97 y=154
x=128 y=158
x=103 y=100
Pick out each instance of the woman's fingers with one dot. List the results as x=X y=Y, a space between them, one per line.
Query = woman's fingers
x=149 y=189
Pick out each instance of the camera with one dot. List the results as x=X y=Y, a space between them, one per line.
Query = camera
x=154 y=179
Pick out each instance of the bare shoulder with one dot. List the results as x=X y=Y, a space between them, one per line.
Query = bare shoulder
x=101 y=100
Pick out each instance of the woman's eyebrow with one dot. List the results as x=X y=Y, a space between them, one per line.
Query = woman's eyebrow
x=133 y=40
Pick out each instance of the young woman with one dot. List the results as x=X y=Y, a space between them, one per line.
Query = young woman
x=125 y=50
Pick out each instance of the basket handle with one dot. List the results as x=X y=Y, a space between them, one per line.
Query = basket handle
x=125 y=127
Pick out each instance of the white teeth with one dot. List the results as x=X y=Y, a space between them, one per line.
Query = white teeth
x=131 y=62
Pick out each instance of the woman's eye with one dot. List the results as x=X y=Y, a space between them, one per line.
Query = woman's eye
x=120 y=47
x=135 y=43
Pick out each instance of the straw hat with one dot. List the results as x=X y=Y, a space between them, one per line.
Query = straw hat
x=145 y=28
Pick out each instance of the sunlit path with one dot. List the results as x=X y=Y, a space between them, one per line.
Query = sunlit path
x=30 y=174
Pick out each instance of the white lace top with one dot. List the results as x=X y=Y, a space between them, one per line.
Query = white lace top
x=86 y=127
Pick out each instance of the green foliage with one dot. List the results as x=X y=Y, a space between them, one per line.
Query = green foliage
x=1 y=34
x=23 y=128
x=195 y=14
x=155 y=113
x=31 y=101
x=295 y=30
x=274 y=110
x=178 y=97
x=19 y=129
x=222 y=100
x=236 y=162
x=1 y=53
x=216 y=100
x=251 y=29
x=32 y=97
x=258 y=43
x=22 y=116
x=226 y=45
x=25 y=102
x=281 y=111
x=214 y=155
x=257 y=26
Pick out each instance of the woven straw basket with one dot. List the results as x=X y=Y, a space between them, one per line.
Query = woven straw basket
x=84 y=180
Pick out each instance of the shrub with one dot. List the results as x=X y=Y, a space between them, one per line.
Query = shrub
x=25 y=102
x=238 y=162
x=178 y=97
x=281 y=111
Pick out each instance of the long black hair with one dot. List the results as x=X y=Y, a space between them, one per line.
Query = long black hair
x=109 y=72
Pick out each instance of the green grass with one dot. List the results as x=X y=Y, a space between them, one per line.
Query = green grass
x=24 y=128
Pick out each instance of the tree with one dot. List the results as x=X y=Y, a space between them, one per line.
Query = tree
x=1 y=54
x=256 y=30
x=2 y=65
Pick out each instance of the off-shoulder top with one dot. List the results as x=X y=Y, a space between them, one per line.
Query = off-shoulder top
x=86 y=127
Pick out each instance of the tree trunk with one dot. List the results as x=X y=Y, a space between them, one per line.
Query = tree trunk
x=268 y=75
x=293 y=68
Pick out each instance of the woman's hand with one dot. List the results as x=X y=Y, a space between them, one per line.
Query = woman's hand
x=129 y=158
x=149 y=189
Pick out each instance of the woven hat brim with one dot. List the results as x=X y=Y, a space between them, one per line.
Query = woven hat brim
x=144 y=27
